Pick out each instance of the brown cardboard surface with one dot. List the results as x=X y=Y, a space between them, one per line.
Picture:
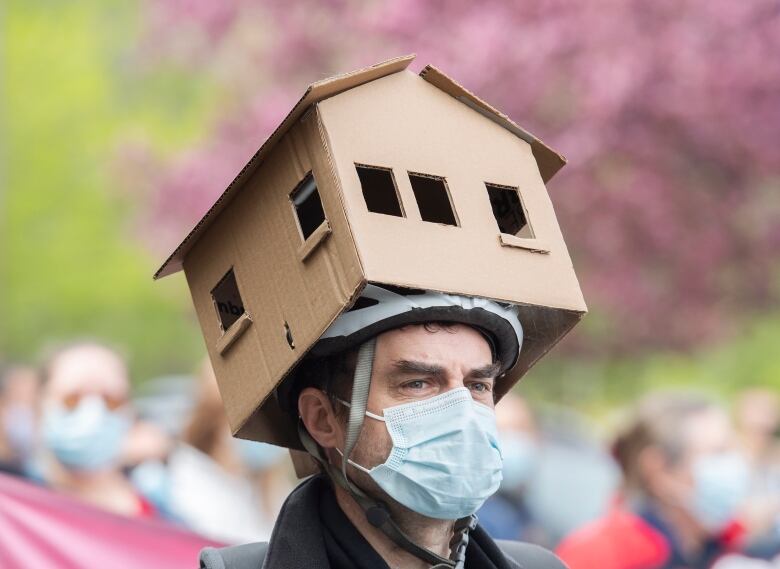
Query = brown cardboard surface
x=256 y=234
x=293 y=288
x=315 y=92
x=549 y=161
x=371 y=124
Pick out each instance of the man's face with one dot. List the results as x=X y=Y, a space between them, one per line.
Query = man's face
x=87 y=370
x=705 y=434
x=414 y=363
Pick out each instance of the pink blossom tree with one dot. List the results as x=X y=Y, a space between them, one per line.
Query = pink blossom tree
x=668 y=111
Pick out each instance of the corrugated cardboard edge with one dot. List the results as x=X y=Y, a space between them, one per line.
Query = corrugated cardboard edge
x=548 y=160
x=315 y=92
x=261 y=401
x=351 y=293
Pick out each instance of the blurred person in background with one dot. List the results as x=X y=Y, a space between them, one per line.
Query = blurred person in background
x=684 y=485
x=85 y=418
x=19 y=390
x=222 y=487
x=505 y=515
x=757 y=418
x=144 y=458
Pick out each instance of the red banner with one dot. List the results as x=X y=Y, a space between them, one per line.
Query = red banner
x=46 y=530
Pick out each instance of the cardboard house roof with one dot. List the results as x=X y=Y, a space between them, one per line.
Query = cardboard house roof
x=548 y=160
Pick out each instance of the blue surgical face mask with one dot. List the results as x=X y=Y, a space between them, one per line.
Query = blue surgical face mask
x=18 y=422
x=152 y=479
x=721 y=483
x=88 y=437
x=256 y=455
x=445 y=460
x=520 y=452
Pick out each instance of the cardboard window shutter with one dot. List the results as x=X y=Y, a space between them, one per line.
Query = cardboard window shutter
x=509 y=211
x=379 y=190
x=308 y=206
x=227 y=300
x=433 y=199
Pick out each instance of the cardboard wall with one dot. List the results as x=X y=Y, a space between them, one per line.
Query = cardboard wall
x=291 y=288
x=404 y=123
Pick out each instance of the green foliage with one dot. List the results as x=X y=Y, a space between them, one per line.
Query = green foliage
x=748 y=359
x=79 y=79
x=70 y=267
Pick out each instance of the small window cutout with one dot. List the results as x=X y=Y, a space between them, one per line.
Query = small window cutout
x=308 y=207
x=509 y=211
x=433 y=199
x=379 y=190
x=227 y=300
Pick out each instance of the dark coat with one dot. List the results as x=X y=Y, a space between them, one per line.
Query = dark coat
x=297 y=541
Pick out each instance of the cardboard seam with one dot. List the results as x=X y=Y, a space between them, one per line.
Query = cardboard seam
x=583 y=310
x=328 y=146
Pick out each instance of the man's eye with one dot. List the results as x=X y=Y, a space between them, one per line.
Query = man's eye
x=479 y=387
x=416 y=384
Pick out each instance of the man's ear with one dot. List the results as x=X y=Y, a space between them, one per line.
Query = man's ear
x=319 y=418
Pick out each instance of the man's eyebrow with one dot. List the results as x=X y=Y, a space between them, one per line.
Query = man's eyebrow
x=489 y=371
x=413 y=367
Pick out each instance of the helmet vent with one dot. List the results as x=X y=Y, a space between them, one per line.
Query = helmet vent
x=363 y=302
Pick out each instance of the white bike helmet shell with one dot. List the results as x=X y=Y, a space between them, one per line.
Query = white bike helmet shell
x=381 y=308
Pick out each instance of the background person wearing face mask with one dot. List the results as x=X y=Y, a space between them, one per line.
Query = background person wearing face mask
x=19 y=387
x=505 y=515
x=684 y=485
x=85 y=418
x=224 y=488
x=757 y=418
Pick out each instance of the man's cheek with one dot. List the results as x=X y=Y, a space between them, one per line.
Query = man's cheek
x=375 y=444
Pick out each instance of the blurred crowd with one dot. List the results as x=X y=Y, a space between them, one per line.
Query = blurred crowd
x=683 y=481
x=74 y=426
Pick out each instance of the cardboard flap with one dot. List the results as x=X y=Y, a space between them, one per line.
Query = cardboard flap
x=316 y=92
x=549 y=160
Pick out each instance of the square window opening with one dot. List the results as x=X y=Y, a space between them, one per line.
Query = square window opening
x=308 y=206
x=509 y=211
x=227 y=300
x=379 y=190
x=433 y=199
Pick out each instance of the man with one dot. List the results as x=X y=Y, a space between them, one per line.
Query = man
x=19 y=387
x=396 y=403
x=86 y=415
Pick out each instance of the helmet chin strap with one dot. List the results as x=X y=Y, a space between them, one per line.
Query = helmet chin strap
x=377 y=513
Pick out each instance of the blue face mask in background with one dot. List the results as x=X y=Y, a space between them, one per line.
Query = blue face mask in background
x=88 y=437
x=152 y=479
x=18 y=423
x=721 y=483
x=520 y=454
x=258 y=456
x=445 y=460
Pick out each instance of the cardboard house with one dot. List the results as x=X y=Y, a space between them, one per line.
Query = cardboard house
x=383 y=176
